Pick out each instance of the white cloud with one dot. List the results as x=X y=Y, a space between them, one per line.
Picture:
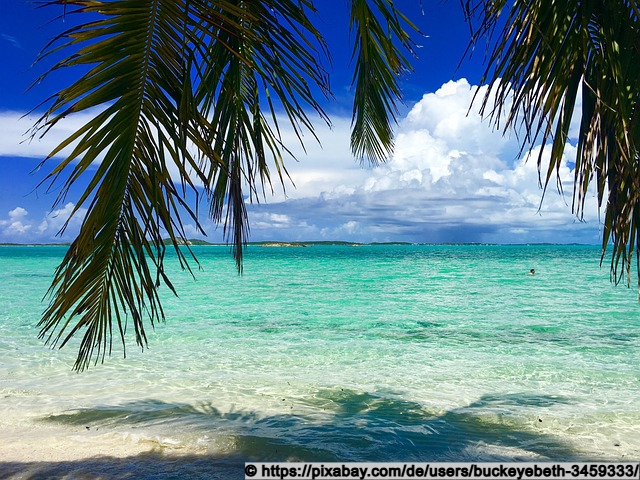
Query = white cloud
x=19 y=139
x=15 y=226
x=51 y=225
x=19 y=226
x=18 y=213
x=453 y=177
x=16 y=139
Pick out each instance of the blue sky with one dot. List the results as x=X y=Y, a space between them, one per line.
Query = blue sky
x=451 y=178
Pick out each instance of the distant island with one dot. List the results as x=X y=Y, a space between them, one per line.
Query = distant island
x=196 y=242
x=9 y=244
x=271 y=243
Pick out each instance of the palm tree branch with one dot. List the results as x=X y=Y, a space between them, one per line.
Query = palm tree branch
x=379 y=37
x=106 y=274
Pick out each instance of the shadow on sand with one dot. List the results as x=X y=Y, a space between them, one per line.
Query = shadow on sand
x=351 y=426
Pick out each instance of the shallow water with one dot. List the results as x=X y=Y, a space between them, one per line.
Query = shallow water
x=375 y=353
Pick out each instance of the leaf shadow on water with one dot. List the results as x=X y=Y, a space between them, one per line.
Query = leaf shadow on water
x=336 y=424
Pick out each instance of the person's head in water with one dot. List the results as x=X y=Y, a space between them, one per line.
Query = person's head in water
x=532 y=271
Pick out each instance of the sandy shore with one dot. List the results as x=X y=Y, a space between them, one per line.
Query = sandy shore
x=38 y=452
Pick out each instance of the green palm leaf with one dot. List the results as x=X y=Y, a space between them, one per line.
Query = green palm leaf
x=545 y=56
x=136 y=51
x=260 y=54
x=380 y=38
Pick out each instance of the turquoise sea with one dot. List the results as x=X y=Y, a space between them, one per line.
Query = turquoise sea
x=332 y=353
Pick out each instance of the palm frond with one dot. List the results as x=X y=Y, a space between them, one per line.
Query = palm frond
x=547 y=55
x=380 y=35
x=259 y=54
x=135 y=51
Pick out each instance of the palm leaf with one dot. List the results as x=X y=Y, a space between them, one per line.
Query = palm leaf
x=259 y=54
x=173 y=76
x=545 y=56
x=380 y=35
x=113 y=268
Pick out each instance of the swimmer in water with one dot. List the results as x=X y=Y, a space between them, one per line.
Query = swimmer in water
x=532 y=271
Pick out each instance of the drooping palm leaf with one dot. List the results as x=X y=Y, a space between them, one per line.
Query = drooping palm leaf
x=380 y=35
x=136 y=53
x=260 y=54
x=549 y=53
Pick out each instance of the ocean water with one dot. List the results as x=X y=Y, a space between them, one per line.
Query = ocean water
x=333 y=353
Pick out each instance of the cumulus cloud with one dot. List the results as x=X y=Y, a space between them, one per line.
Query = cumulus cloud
x=20 y=226
x=18 y=213
x=16 y=225
x=66 y=217
x=453 y=178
